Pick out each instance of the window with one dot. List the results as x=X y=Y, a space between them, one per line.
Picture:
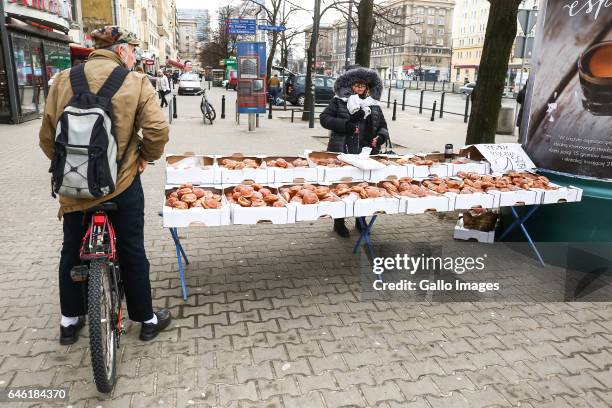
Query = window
x=440 y=31
x=320 y=82
x=431 y=11
x=430 y=20
x=420 y=10
x=442 y=12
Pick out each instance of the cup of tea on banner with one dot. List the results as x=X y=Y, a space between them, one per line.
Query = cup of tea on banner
x=595 y=71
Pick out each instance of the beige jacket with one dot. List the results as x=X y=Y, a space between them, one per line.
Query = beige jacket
x=135 y=108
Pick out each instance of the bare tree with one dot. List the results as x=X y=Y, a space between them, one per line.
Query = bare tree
x=222 y=44
x=286 y=43
x=365 y=29
x=486 y=97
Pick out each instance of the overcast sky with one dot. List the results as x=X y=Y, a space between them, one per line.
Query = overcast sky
x=297 y=20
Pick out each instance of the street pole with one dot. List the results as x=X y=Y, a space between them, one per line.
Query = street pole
x=8 y=66
x=523 y=51
x=349 y=26
x=315 y=33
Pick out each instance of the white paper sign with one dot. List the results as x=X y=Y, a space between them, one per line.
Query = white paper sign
x=505 y=156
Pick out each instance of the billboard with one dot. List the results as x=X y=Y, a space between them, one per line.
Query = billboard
x=251 y=60
x=568 y=108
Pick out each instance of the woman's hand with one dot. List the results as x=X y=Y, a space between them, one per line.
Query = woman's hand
x=374 y=141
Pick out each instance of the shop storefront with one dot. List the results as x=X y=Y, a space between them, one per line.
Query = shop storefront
x=35 y=47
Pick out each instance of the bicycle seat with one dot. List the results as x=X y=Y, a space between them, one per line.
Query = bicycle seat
x=105 y=206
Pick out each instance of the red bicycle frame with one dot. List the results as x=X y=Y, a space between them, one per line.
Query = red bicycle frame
x=93 y=245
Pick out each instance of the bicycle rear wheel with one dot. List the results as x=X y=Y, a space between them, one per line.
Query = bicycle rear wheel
x=102 y=334
x=210 y=113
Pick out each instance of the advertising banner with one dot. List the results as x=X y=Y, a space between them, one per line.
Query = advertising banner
x=567 y=116
x=251 y=59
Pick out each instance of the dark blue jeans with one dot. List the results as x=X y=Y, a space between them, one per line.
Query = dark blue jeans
x=128 y=221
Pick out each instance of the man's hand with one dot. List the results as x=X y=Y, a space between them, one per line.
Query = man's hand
x=142 y=165
x=374 y=141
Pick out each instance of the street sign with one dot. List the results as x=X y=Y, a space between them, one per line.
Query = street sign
x=523 y=50
x=271 y=28
x=527 y=19
x=241 y=26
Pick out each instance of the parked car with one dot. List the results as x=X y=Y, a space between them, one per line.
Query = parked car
x=189 y=83
x=468 y=88
x=324 y=89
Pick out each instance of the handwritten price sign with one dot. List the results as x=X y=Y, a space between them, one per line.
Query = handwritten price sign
x=505 y=156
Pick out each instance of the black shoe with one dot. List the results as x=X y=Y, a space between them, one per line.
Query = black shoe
x=69 y=335
x=149 y=331
x=340 y=228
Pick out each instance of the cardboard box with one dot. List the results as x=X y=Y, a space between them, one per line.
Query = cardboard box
x=482 y=168
x=512 y=198
x=323 y=209
x=280 y=175
x=334 y=174
x=258 y=175
x=438 y=168
x=173 y=217
x=467 y=201
x=191 y=168
x=561 y=195
x=473 y=235
x=391 y=171
x=261 y=215
x=419 y=205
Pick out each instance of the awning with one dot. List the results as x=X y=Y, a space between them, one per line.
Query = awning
x=147 y=61
x=407 y=67
x=175 y=63
x=77 y=50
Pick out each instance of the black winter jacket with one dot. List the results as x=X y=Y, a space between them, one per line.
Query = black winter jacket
x=335 y=118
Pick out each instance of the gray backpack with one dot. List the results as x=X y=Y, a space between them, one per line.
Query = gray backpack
x=85 y=163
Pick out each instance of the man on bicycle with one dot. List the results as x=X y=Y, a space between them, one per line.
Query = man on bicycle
x=134 y=108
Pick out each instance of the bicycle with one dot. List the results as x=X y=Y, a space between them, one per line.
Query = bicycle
x=207 y=109
x=105 y=293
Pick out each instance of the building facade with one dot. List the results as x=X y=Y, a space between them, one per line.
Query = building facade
x=411 y=40
x=202 y=19
x=153 y=21
x=325 y=48
x=470 y=26
x=188 y=28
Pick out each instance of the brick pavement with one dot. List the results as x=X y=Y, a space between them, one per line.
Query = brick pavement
x=275 y=316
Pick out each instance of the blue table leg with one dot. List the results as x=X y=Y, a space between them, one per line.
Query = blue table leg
x=520 y=221
x=366 y=228
x=179 y=252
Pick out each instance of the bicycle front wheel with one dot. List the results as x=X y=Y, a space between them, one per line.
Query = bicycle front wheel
x=102 y=334
x=210 y=114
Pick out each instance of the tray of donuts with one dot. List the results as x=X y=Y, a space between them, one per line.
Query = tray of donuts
x=366 y=199
x=254 y=203
x=290 y=169
x=314 y=201
x=189 y=204
x=415 y=198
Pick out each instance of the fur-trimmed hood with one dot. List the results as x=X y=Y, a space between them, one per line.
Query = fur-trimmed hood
x=342 y=87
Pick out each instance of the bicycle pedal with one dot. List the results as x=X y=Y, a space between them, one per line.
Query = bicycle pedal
x=79 y=273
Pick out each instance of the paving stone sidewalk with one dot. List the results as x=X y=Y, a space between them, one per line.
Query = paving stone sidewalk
x=275 y=315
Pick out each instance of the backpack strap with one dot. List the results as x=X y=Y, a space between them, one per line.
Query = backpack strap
x=113 y=83
x=78 y=80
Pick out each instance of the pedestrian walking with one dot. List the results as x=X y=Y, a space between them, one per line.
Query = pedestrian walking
x=133 y=110
x=520 y=99
x=274 y=87
x=163 y=88
x=355 y=119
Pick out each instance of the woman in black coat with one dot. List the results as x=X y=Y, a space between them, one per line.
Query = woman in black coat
x=355 y=119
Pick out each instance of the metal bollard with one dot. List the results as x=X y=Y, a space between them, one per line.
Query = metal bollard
x=170 y=113
x=434 y=85
x=442 y=104
x=410 y=84
x=292 y=114
x=174 y=114
x=433 y=112
x=223 y=107
x=209 y=85
x=467 y=108
x=421 y=102
x=443 y=84
x=389 y=95
x=417 y=84
x=453 y=89
x=425 y=85
x=394 y=117
x=257 y=120
x=404 y=100
x=270 y=109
